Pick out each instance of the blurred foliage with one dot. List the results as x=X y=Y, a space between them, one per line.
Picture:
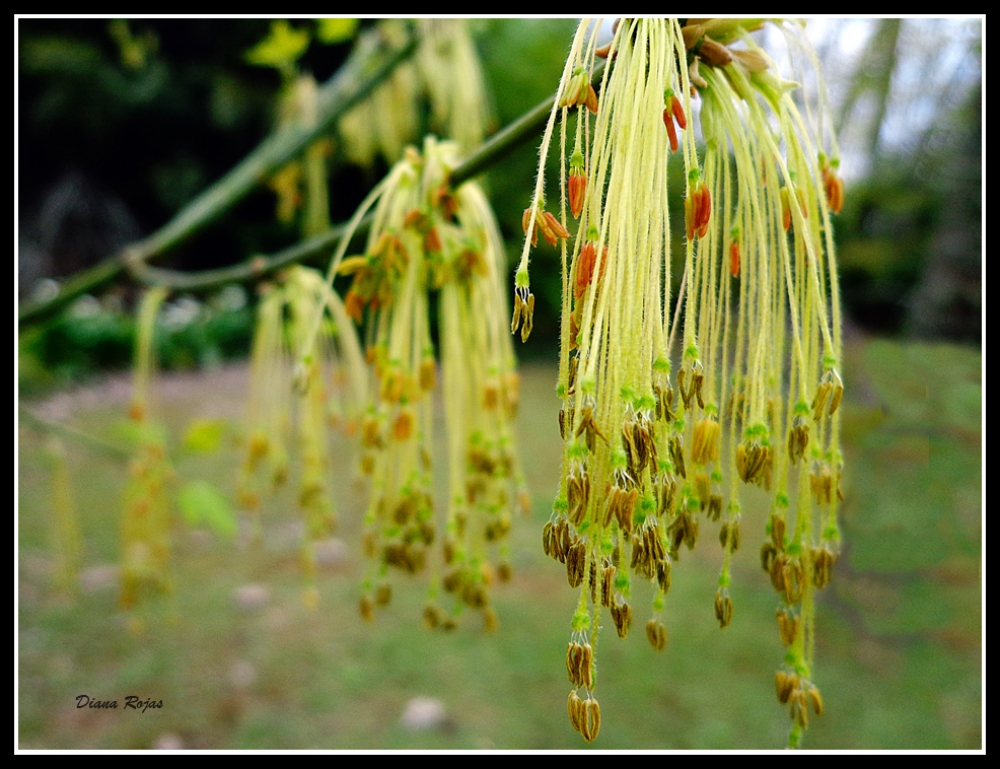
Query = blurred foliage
x=91 y=338
x=910 y=248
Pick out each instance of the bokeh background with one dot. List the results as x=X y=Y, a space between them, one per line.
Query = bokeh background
x=123 y=122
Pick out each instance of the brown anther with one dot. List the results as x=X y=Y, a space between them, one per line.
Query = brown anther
x=607 y=585
x=578 y=494
x=548 y=539
x=432 y=241
x=791 y=580
x=551 y=228
x=589 y=427
x=838 y=392
x=587 y=666
x=683 y=530
x=491 y=622
x=785 y=683
x=723 y=609
x=799 y=709
x=714 y=507
x=702 y=488
x=664 y=401
x=705 y=442
x=515 y=322
x=778 y=532
x=768 y=552
x=564 y=539
x=574 y=653
x=626 y=508
x=584 y=272
x=676 y=447
x=621 y=613
x=433 y=616
x=528 y=318
x=701 y=214
x=664 y=487
x=668 y=122
x=798 y=439
x=646 y=440
x=402 y=428
x=474 y=595
x=657 y=634
x=786 y=210
x=574 y=706
x=821 y=483
x=815 y=699
x=788 y=626
x=577 y=191
x=576 y=562
x=640 y=562
x=823 y=560
x=367 y=607
x=371 y=434
x=777 y=572
x=590 y=723
x=526 y=222
x=734 y=536
x=663 y=574
x=833 y=186
x=654 y=545
x=452 y=581
x=491 y=395
x=823 y=392
x=753 y=463
x=392 y=385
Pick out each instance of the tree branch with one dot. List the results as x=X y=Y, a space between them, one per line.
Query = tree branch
x=31 y=419
x=366 y=68
x=494 y=149
x=487 y=154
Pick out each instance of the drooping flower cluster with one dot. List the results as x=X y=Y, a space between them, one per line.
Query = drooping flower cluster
x=329 y=387
x=427 y=237
x=653 y=449
x=145 y=523
x=445 y=74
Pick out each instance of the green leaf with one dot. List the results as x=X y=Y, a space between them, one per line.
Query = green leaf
x=202 y=504
x=331 y=31
x=204 y=436
x=281 y=48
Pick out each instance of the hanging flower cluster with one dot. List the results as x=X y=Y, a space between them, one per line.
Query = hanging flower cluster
x=427 y=237
x=329 y=388
x=445 y=74
x=656 y=447
x=145 y=523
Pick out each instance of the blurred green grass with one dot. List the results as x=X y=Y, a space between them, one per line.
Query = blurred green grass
x=899 y=657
